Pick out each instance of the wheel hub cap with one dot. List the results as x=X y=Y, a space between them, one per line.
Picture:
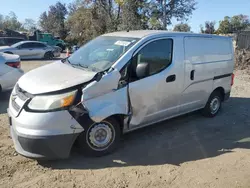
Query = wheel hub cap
x=100 y=135
x=214 y=105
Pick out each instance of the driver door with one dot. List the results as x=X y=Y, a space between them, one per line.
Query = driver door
x=156 y=96
x=25 y=51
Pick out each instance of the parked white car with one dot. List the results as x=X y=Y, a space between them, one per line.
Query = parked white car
x=114 y=84
x=10 y=71
x=32 y=50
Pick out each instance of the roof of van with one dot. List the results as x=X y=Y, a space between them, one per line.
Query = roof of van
x=144 y=33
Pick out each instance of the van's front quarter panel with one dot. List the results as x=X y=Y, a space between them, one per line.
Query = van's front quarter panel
x=103 y=99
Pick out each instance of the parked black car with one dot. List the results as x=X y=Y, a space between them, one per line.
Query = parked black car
x=7 y=41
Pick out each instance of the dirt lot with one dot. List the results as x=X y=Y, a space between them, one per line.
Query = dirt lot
x=190 y=151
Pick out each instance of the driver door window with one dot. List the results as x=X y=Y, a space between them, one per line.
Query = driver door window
x=158 y=54
x=25 y=46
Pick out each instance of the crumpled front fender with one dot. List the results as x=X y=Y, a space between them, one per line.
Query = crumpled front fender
x=102 y=99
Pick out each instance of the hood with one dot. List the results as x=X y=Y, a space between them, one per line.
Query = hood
x=53 y=77
x=10 y=57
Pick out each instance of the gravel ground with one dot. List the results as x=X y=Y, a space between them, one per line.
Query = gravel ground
x=189 y=151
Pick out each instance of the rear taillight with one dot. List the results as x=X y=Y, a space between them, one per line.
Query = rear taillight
x=232 y=79
x=14 y=64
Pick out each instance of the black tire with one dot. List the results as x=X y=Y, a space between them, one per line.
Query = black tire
x=88 y=147
x=48 y=55
x=213 y=105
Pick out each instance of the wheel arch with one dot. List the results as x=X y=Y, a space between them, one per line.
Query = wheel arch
x=221 y=90
x=8 y=52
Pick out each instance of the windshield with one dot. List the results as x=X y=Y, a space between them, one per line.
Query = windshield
x=101 y=53
x=16 y=44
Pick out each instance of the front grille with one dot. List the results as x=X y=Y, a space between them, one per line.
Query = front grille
x=19 y=98
x=23 y=95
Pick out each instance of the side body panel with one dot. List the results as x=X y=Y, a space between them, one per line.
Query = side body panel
x=207 y=57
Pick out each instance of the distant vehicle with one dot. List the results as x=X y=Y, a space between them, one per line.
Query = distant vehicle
x=8 y=41
x=10 y=71
x=32 y=50
x=116 y=83
x=49 y=39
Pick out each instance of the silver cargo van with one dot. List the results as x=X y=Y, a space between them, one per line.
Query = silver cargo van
x=116 y=83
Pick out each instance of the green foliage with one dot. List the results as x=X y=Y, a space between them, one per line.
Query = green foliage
x=29 y=25
x=10 y=22
x=233 y=24
x=165 y=10
x=83 y=20
x=54 y=20
x=182 y=27
x=209 y=27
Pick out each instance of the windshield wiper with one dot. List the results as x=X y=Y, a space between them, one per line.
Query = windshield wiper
x=83 y=66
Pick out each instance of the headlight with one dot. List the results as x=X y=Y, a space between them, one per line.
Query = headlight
x=51 y=102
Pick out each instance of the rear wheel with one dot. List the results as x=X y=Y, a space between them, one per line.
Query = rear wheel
x=101 y=138
x=48 y=55
x=213 y=105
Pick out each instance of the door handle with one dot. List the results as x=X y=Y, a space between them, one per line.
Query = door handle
x=192 y=75
x=171 y=78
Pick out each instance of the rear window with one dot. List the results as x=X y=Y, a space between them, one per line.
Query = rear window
x=200 y=50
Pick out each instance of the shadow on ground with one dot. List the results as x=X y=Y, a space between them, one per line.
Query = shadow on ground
x=187 y=138
x=4 y=101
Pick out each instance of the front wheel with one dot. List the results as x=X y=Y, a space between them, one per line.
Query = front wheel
x=213 y=105
x=99 y=139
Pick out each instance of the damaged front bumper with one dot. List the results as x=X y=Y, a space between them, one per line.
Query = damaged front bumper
x=44 y=135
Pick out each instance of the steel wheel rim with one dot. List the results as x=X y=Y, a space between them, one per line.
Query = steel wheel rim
x=214 y=105
x=100 y=136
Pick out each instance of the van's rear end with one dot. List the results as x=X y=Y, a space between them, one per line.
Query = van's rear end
x=211 y=58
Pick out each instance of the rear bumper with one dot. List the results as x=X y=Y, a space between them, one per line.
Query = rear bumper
x=8 y=80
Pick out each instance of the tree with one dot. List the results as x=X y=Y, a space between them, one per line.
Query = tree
x=54 y=20
x=233 y=24
x=182 y=27
x=209 y=27
x=133 y=15
x=89 y=18
x=239 y=22
x=10 y=22
x=167 y=9
x=29 y=24
x=225 y=26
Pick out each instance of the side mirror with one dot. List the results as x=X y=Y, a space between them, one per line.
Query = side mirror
x=142 y=70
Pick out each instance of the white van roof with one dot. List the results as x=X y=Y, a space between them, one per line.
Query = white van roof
x=144 y=33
